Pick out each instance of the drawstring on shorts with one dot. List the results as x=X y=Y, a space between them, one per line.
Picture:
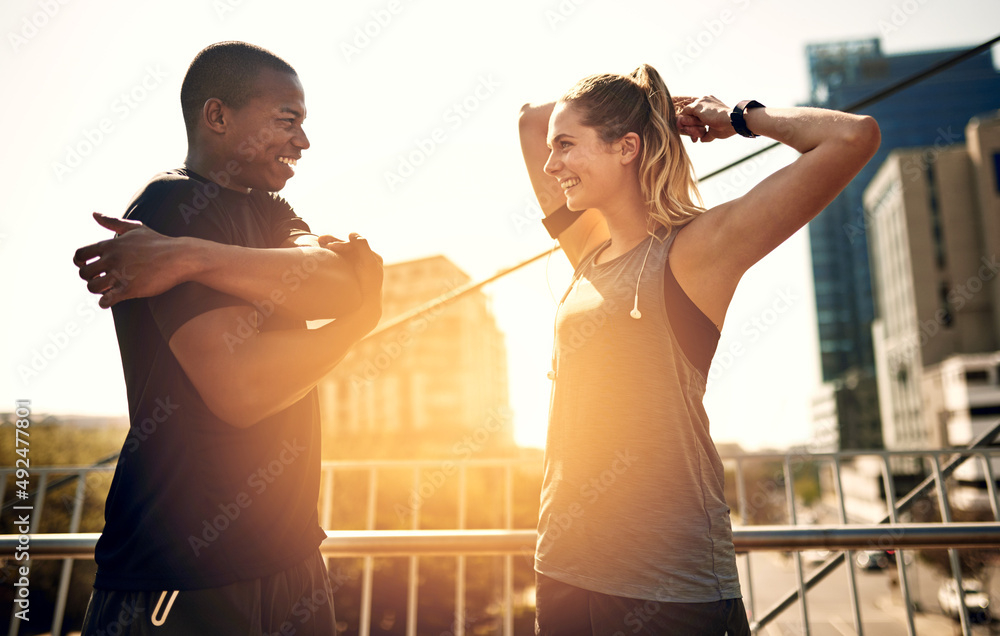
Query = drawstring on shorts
x=157 y=622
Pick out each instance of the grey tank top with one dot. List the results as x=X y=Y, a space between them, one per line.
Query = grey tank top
x=632 y=497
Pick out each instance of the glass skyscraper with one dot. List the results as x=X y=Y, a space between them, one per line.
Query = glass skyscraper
x=931 y=113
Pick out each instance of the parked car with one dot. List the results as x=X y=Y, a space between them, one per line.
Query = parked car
x=816 y=556
x=977 y=602
x=872 y=560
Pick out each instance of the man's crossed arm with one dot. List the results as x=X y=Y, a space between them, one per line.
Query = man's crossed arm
x=312 y=281
x=270 y=370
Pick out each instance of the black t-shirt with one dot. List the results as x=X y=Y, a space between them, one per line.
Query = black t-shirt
x=196 y=502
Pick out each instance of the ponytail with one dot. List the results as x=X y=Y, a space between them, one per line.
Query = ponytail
x=665 y=171
x=615 y=105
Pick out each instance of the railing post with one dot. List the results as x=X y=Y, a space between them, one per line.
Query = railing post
x=327 y=506
x=991 y=488
x=412 y=581
x=460 y=559
x=904 y=586
x=984 y=439
x=796 y=555
x=67 y=566
x=69 y=547
x=741 y=496
x=508 y=560
x=364 y=628
x=852 y=584
x=956 y=564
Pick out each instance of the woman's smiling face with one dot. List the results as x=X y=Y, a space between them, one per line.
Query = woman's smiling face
x=587 y=168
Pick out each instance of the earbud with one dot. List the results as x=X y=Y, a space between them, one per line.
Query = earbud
x=635 y=313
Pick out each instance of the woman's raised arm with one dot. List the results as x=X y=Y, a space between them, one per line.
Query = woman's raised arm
x=713 y=253
x=590 y=230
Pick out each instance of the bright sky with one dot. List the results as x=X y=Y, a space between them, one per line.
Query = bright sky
x=92 y=112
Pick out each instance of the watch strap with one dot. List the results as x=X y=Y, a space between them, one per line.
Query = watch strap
x=737 y=117
x=557 y=222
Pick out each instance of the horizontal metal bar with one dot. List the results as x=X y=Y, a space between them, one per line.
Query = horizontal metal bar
x=348 y=543
x=868 y=537
x=486 y=462
x=809 y=456
x=502 y=461
x=428 y=542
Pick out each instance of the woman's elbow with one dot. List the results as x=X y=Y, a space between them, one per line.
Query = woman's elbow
x=865 y=136
x=534 y=119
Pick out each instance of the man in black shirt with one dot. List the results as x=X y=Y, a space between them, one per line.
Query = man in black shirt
x=211 y=523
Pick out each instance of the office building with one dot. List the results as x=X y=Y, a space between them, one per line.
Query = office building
x=931 y=113
x=441 y=375
x=934 y=229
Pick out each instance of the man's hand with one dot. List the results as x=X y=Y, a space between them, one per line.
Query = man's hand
x=368 y=268
x=703 y=118
x=137 y=263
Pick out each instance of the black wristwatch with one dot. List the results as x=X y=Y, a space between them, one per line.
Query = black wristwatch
x=736 y=117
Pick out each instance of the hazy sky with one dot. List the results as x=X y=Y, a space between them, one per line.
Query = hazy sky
x=412 y=120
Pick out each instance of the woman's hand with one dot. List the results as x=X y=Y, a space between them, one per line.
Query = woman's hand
x=703 y=118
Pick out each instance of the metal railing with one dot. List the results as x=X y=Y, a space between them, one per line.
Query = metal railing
x=891 y=533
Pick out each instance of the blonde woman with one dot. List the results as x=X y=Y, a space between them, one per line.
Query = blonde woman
x=634 y=530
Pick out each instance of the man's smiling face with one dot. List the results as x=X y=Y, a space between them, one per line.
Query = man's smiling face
x=266 y=135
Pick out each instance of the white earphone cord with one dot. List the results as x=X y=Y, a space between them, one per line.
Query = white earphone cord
x=635 y=313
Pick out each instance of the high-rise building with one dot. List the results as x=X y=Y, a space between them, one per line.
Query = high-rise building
x=932 y=113
x=934 y=231
x=439 y=376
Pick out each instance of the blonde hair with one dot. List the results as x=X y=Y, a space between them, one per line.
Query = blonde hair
x=639 y=102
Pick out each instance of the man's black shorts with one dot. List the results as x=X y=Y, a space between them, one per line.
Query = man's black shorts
x=295 y=602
